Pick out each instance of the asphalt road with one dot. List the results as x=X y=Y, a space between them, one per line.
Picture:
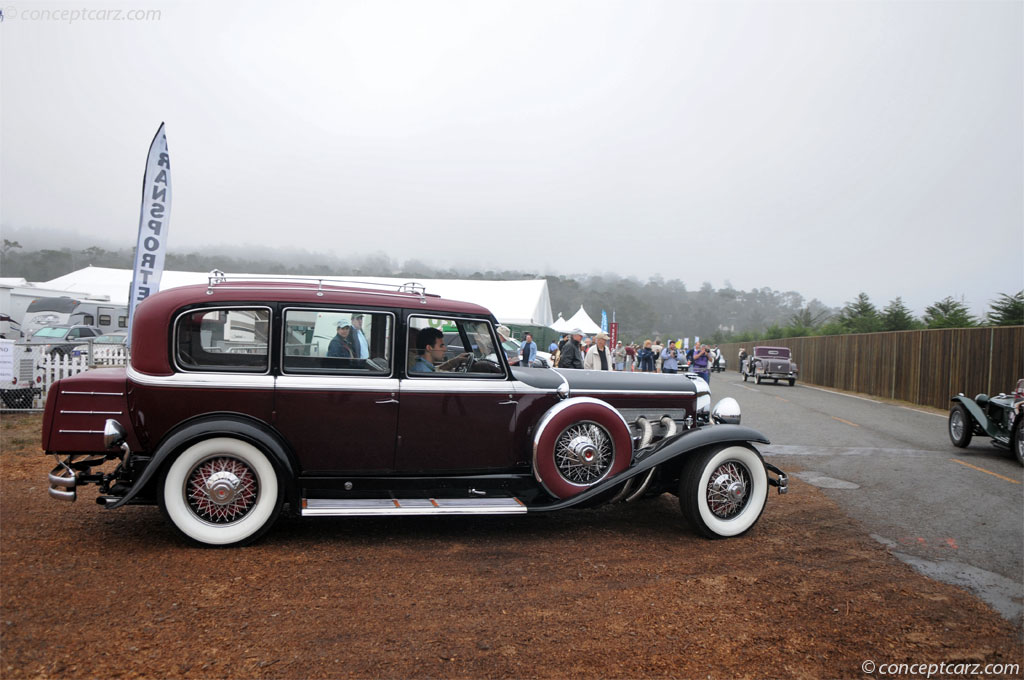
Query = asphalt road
x=956 y=515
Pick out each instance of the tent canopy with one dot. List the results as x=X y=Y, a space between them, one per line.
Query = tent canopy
x=561 y=325
x=523 y=302
x=582 y=321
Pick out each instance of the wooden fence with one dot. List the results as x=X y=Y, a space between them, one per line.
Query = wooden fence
x=920 y=367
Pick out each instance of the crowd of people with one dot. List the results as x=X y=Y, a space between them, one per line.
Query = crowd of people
x=595 y=353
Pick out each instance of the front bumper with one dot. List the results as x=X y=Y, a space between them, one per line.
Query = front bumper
x=781 y=481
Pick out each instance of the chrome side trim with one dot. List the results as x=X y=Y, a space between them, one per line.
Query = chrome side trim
x=95 y=394
x=80 y=431
x=221 y=380
x=337 y=383
x=674 y=393
x=457 y=386
x=93 y=413
x=411 y=506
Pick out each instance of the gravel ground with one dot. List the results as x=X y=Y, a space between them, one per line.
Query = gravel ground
x=618 y=592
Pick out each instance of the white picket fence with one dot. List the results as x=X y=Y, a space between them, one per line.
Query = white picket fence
x=47 y=368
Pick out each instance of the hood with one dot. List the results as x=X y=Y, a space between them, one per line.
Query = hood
x=580 y=380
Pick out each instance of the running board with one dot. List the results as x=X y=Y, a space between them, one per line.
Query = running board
x=335 y=507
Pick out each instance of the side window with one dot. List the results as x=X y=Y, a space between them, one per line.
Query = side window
x=122 y=322
x=235 y=340
x=442 y=347
x=104 y=319
x=322 y=341
x=74 y=333
x=85 y=333
x=88 y=320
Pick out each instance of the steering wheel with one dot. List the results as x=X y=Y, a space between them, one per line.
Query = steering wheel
x=468 y=364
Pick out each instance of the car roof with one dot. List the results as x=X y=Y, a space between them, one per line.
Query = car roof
x=155 y=315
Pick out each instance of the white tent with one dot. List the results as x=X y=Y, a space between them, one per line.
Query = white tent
x=562 y=326
x=583 y=321
x=524 y=302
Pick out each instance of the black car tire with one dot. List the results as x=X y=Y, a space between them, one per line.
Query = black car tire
x=723 y=491
x=960 y=426
x=1017 y=443
x=239 y=508
x=792 y=381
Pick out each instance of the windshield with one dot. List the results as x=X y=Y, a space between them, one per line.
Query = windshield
x=63 y=305
x=50 y=332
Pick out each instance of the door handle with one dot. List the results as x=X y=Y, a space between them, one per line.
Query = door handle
x=387 y=401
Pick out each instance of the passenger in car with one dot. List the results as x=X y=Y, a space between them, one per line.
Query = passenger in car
x=431 y=347
x=341 y=346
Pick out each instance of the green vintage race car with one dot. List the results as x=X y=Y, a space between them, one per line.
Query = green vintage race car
x=1000 y=417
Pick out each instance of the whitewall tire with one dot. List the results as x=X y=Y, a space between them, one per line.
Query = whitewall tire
x=221 y=492
x=722 y=492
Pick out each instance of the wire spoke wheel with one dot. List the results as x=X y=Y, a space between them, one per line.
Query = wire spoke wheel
x=956 y=424
x=584 y=453
x=221 y=489
x=728 y=489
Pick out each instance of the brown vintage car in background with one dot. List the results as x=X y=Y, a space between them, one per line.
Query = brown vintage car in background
x=770 y=363
x=234 y=408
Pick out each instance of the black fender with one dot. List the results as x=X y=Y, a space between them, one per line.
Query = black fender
x=665 y=450
x=981 y=420
x=236 y=425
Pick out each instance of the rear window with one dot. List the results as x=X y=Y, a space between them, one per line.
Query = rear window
x=233 y=340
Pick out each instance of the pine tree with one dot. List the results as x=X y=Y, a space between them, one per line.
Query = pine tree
x=948 y=313
x=1008 y=310
x=896 y=317
x=860 y=316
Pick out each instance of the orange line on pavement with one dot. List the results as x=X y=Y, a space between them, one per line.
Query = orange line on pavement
x=987 y=472
x=845 y=421
x=781 y=399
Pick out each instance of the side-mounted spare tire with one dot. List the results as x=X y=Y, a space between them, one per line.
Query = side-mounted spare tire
x=580 y=442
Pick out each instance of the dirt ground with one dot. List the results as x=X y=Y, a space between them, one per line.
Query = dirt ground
x=617 y=592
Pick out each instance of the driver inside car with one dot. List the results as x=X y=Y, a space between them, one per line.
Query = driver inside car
x=431 y=348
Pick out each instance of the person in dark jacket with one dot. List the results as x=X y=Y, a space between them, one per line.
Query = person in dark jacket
x=646 y=357
x=341 y=346
x=571 y=356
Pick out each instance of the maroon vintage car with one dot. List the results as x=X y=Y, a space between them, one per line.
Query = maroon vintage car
x=246 y=397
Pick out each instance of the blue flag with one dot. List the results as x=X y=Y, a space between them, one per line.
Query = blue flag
x=604 y=321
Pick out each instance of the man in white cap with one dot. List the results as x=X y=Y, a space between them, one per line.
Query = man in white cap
x=571 y=357
x=599 y=356
x=341 y=344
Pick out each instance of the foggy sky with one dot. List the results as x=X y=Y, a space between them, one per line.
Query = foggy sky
x=823 y=147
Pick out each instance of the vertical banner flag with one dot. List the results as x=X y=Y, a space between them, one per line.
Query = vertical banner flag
x=604 y=321
x=613 y=332
x=154 y=219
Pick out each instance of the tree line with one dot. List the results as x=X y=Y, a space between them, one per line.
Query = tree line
x=644 y=309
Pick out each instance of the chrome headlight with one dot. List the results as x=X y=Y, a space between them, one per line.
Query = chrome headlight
x=726 y=411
